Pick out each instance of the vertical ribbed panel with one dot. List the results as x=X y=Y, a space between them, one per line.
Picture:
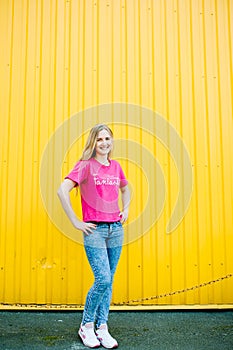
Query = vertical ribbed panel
x=174 y=57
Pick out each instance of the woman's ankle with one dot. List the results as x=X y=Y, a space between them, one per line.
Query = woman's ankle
x=88 y=325
x=103 y=326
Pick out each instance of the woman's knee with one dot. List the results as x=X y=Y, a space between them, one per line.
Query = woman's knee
x=104 y=282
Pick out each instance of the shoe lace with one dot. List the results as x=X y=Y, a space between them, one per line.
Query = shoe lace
x=105 y=334
x=90 y=333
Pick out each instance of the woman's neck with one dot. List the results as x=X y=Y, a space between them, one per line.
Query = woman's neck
x=102 y=159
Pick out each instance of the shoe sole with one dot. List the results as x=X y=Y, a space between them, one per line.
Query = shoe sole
x=113 y=347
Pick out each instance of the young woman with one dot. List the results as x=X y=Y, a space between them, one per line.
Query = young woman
x=99 y=179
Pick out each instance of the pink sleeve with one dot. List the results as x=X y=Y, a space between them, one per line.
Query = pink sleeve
x=79 y=173
x=123 y=180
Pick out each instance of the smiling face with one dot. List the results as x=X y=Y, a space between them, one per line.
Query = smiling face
x=103 y=143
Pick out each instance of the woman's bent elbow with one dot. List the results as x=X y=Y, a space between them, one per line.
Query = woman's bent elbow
x=60 y=191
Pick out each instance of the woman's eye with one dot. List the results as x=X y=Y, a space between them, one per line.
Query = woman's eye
x=106 y=139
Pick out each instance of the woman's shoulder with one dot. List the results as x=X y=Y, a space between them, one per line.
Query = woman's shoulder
x=82 y=164
x=115 y=163
x=84 y=161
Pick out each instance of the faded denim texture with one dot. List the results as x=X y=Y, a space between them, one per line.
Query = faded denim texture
x=103 y=250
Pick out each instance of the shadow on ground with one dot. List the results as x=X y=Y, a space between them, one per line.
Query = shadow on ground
x=162 y=330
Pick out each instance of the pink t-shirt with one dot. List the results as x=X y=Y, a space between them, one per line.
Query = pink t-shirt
x=99 y=187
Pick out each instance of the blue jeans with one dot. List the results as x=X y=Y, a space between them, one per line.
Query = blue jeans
x=103 y=250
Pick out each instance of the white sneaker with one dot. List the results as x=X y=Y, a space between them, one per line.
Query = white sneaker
x=106 y=340
x=87 y=334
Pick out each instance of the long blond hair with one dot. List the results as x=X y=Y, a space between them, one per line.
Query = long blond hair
x=89 y=149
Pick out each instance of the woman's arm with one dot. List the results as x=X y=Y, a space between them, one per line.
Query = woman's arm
x=64 y=196
x=125 y=197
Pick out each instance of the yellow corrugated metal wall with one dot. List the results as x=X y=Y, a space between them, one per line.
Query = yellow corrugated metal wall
x=61 y=58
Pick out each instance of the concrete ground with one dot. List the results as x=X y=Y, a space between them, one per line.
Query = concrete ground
x=162 y=330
